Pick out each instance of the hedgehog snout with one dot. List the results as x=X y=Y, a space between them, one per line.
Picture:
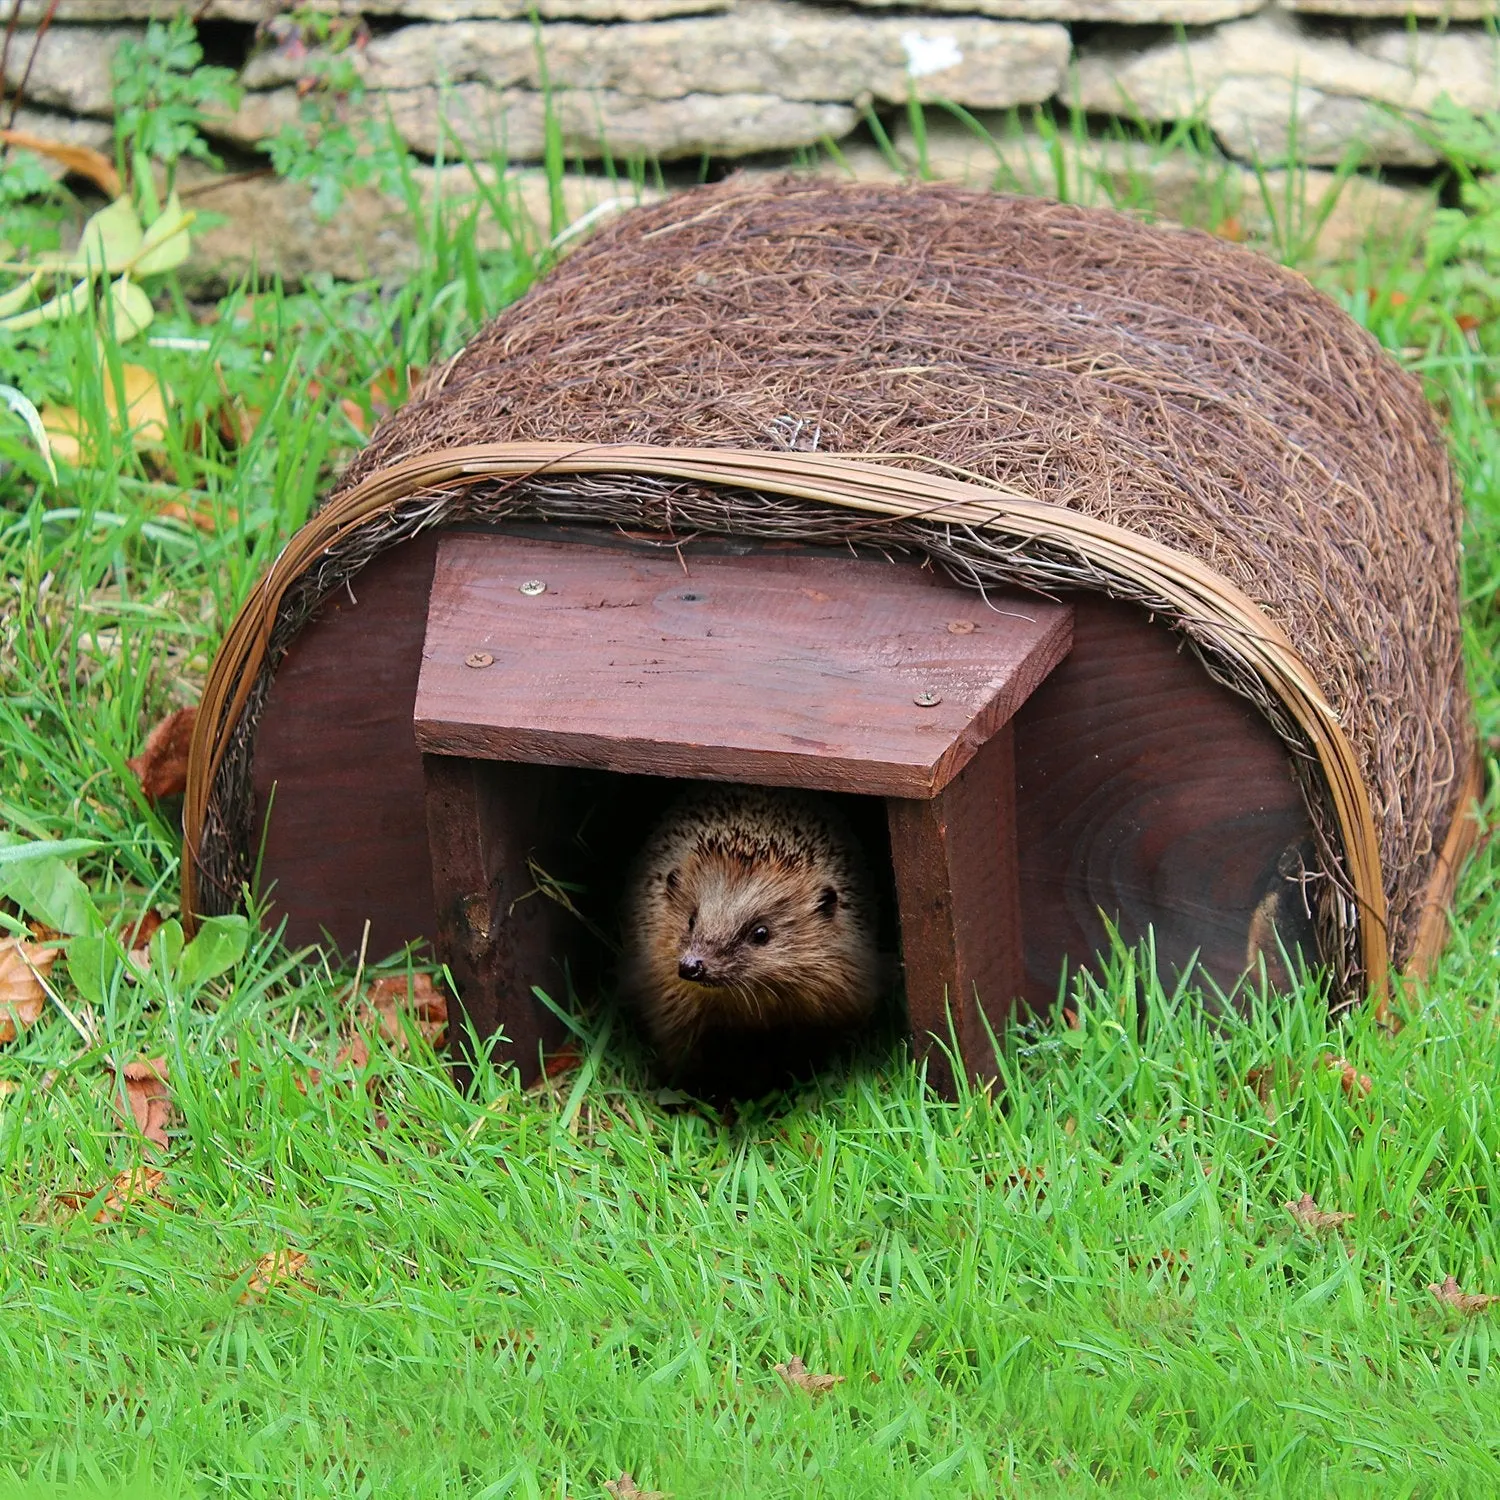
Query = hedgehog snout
x=693 y=969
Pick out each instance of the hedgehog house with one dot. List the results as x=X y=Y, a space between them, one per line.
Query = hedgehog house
x=1108 y=573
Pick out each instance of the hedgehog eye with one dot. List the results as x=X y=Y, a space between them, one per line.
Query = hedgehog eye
x=672 y=880
x=693 y=920
x=760 y=935
x=828 y=901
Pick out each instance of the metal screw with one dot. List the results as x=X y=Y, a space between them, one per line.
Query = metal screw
x=532 y=587
x=479 y=659
x=928 y=699
x=960 y=627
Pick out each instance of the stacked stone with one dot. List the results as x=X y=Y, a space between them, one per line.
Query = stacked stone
x=679 y=79
x=752 y=80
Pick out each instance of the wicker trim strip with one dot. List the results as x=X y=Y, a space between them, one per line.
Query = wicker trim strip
x=1237 y=627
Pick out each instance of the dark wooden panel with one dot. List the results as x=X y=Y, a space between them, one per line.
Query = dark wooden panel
x=1144 y=789
x=1150 y=792
x=492 y=829
x=347 y=837
x=771 y=669
x=954 y=859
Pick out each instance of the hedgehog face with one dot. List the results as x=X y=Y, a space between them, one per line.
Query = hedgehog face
x=749 y=931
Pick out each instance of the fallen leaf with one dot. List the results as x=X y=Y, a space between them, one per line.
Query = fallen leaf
x=136 y=940
x=22 y=998
x=356 y=1051
x=566 y=1059
x=142 y=930
x=130 y=1187
x=625 y=1488
x=1314 y=1219
x=237 y=422
x=85 y=161
x=277 y=1268
x=1352 y=1080
x=142 y=413
x=797 y=1375
x=1229 y=228
x=1467 y=322
x=161 y=768
x=146 y=1099
x=1173 y=1265
x=355 y=413
x=1028 y=1177
x=1467 y=1303
x=392 y=996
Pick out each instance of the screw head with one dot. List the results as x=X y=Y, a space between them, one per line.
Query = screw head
x=479 y=659
x=928 y=699
x=960 y=627
x=533 y=586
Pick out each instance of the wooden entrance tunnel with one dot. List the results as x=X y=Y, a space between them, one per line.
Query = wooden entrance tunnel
x=825 y=673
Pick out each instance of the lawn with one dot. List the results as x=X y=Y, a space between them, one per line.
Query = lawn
x=350 y=1279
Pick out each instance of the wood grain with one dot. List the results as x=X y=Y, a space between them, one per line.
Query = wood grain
x=780 y=670
x=346 y=837
x=1150 y=795
x=954 y=861
x=492 y=829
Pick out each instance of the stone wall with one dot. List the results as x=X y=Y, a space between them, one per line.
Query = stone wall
x=678 y=81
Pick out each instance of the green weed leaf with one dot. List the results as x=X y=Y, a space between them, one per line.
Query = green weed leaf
x=92 y=961
x=219 y=945
x=166 y=947
x=41 y=883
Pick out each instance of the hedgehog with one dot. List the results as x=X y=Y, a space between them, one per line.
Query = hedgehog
x=748 y=911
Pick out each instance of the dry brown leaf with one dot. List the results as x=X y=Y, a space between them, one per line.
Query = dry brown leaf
x=83 y=160
x=277 y=1268
x=22 y=998
x=136 y=940
x=1314 y=1219
x=1028 y=1177
x=1261 y=1081
x=140 y=932
x=129 y=1187
x=161 y=768
x=1353 y=1081
x=1468 y=1303
x=146 y=1099
x=389 y=997
x=566 y=1059
x=355 y=1053
x=798 y=1376
x=625 y=1488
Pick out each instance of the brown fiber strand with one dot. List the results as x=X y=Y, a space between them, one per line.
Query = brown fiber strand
x=1023 y=391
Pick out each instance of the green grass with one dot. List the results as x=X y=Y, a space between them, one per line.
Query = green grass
x=1092 y=1285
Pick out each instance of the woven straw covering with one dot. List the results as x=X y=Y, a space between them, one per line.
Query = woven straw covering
x=1035 y=393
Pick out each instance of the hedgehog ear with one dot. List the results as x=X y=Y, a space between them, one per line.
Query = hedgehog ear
x=828 y=901
x=672 y=876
